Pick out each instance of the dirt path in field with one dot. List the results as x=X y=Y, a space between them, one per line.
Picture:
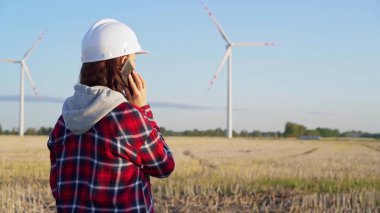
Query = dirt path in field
x=307 y=152
x=201 y=161
x=371 y=147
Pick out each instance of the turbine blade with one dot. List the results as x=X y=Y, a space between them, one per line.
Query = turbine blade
x=256 y=44
x=39 y=39
x=216 y=23
x=9 y=60
x=27 y=72
x=228 y=52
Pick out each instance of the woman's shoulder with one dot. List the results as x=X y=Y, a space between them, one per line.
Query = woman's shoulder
x=57 y=132
x=129 y=119
x=127 y=108
x=59 y=125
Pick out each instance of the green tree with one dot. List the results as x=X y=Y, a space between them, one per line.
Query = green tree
x=244 y=133
x=14 y=131
x=31 y=131
x=196 y=132
x=219 y=132
x=294 y=130
x=256 y=133
x=44 y=130
x=312 y=132
x=326 y=132
x=163 y=130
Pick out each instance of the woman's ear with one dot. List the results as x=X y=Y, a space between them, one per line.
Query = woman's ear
x=124 y=59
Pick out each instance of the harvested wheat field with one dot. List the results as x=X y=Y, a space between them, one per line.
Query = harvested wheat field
x=220 y=175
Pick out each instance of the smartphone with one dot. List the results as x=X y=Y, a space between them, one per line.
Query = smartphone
x=126 y=71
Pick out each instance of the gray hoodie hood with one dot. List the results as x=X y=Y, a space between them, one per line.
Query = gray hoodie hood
x=88 y=105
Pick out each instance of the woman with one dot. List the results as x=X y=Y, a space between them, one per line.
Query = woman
x=106 y=144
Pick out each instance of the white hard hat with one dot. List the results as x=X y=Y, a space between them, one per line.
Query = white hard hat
x=109 y=38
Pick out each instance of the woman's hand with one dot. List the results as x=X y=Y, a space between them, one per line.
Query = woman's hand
x=138 y=88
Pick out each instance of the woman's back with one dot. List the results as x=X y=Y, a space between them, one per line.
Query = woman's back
x=106 y=168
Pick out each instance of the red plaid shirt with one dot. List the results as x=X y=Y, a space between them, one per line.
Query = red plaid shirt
x=107 y=168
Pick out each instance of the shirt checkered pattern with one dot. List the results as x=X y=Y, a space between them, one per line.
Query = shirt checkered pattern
x=107 y=169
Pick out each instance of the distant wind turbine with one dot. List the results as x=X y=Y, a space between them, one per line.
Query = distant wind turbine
x=24 y=68
x=228 y=55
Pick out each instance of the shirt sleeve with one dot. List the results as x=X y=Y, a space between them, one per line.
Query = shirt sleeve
x=147 y=111
x=53 y=168
x=149 y=117
x=150 y=152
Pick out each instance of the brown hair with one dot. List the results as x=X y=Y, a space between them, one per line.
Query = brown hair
x=103 y=73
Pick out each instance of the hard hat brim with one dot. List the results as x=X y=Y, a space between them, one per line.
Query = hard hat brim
x=142 y=52
x=101 y=58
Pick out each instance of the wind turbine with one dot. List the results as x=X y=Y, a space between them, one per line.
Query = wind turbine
x=24 y=69
x=228 y=55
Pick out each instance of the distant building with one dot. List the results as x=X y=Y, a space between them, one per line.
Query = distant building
x=310 y=137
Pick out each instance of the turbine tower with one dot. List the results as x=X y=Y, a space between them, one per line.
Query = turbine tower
x=228 y=55
x=24 y=69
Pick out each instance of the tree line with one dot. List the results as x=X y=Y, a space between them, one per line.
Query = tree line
x=29 y=131
x=219 y=132
x=298 y=130
x=291 y=130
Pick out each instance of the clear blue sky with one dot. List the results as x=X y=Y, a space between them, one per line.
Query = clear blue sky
x=325 y=73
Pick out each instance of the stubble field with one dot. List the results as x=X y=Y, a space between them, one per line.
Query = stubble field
x=220 y=175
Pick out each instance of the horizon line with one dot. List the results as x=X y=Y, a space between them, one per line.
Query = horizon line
x=159 y=104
